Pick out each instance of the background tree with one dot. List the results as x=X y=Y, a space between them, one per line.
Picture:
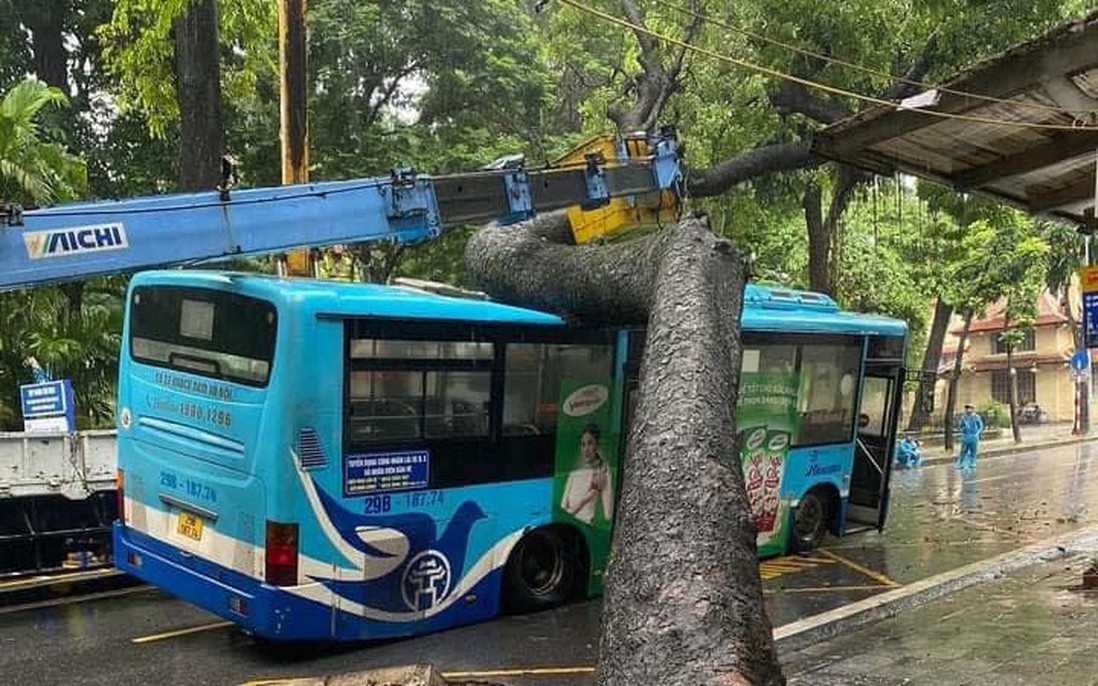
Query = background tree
x=743 y=126
x=166 y=56
x=1004 y=259
x=80 y=344
x=34 y=171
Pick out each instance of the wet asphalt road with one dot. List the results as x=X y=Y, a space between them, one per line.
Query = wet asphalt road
x=940 y=519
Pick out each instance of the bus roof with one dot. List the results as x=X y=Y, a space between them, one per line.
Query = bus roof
x=352 y=299
x=770 y=308
x=766 y=308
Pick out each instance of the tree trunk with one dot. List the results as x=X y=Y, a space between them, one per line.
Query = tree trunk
x=1013 y=394
x=1082 y=423
x=46 y=21
x=819 y=240
x=951 y=398
x=943 y=311
x=683 y=602
x=198 y=89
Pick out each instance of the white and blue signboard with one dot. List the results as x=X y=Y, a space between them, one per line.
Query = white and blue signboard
x=1090 y=320
x=48 y=407
x=388 y=471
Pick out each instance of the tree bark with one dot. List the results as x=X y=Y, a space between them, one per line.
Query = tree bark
x=683 y=601
x=819 y=240
x=1013 y=394
x=943 y=312
x=46 y=21
x=198 y=89
x=768 y=159
x=951 y=397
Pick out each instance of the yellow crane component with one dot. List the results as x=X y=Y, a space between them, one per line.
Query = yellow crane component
x=621 y=214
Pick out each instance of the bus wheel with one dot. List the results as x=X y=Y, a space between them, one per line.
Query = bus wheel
x=541 y=571
x=809 y=522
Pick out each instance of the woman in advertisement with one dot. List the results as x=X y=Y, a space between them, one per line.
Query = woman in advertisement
x=588 y=493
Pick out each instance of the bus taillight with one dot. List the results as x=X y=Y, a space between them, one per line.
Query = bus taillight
x=281 y=554
x=121 y=497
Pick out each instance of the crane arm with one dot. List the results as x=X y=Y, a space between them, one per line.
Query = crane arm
x=77 y=241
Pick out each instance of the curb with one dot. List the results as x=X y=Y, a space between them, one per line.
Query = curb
x=1013 y=449
x=805 y=632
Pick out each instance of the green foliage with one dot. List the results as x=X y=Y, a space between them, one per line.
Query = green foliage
x=33 y=171
x=82 y=346
x=1006 y=259
x=994 y=413
x=137 y=50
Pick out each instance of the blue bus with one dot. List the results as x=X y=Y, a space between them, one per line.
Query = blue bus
x=325 y=460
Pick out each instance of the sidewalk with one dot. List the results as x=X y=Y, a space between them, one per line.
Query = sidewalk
x=1034 y=437
x=1033 y=627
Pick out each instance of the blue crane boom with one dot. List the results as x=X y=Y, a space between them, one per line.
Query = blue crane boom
x=81 y=240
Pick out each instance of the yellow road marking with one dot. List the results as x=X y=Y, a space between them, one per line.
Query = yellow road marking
x=181 y=632
x=775 y=567
x=876 y=576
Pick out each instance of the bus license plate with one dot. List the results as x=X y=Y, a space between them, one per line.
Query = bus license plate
x=190 y=525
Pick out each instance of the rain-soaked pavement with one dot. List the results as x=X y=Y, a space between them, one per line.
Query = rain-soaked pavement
x=1035 y=627
x=940 y=519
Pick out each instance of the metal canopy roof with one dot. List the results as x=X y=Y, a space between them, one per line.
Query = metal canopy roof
x=1052 y=80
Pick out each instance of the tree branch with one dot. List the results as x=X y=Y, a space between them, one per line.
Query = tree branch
x=794 y=98
x=848 y=179
x=649 y=58
x=388 y=93
x=748 y=165
x=542 y=251
x=916 y=72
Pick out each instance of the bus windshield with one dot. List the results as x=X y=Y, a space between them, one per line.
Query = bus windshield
x=211 y=333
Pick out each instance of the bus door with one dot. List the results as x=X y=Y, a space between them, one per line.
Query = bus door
x=878 y=413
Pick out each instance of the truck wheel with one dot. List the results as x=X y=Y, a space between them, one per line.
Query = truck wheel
x=540 y=573
x=809 y=522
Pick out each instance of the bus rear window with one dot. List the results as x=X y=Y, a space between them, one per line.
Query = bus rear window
x=212 y=333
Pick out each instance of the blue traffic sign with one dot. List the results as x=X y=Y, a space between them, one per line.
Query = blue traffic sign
x=1090 y=320
x=43 y=399
x=1080 y=360
x=48 y=406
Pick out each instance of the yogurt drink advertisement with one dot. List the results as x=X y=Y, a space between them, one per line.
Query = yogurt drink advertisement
x=766 y=419
x=585 y=485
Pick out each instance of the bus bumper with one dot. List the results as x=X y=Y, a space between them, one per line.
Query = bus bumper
x=258 y=608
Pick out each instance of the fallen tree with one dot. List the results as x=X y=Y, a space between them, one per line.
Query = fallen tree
x=683 y=601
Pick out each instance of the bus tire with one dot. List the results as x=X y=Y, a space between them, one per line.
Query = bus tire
x=810 y=521
x=541 y=571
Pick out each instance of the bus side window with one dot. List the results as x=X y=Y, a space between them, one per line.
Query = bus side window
x=827 y=392
x=385 y=405
x=410 y=390
x=533 y=378
x=456 y=404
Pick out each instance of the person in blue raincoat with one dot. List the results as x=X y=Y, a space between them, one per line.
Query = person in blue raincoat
x=908 y=452
x=970 y=426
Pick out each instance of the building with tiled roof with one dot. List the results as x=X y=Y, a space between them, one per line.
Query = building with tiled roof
x=1041 y=360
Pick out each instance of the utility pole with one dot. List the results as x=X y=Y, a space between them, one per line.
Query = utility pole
x=293 y=129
